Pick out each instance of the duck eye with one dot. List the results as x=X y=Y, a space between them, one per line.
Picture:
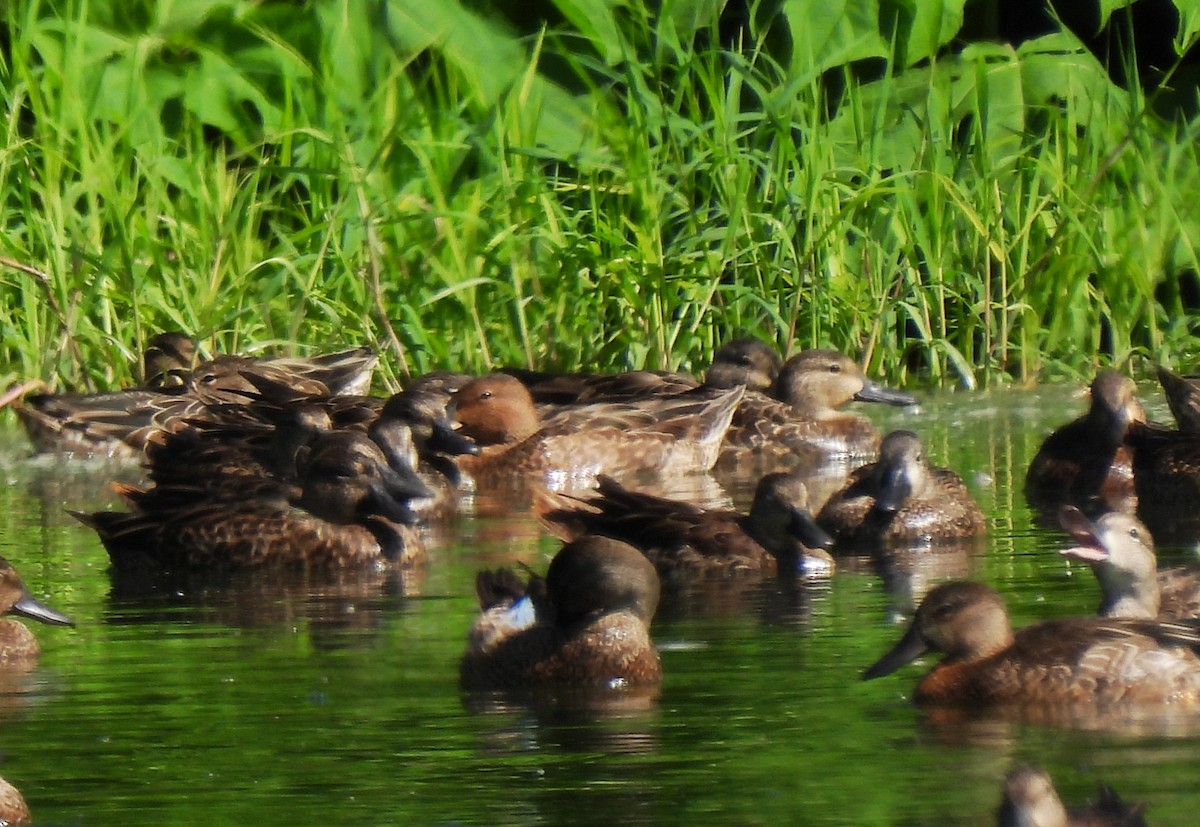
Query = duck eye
x=1134 y=533
x=485 y=395
x=835 y=368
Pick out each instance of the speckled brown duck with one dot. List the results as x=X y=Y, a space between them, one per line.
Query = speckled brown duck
x=744 y=361
x=1093 y=664
x=17 y=642
x=1120 y=550
x=800 y=418
x=118 y=424
x=1166 y=475
x=671 y=435
x=686 y=542
x=350 y=509
x=586 y=625
x=900 y=499
x=1086 y=462
x=14 y=812
x=1030 y=800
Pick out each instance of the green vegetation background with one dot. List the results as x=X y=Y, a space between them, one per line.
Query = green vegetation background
x=587 y=183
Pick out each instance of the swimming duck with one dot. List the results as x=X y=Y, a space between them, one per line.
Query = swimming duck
x=1166 y=477
x=14 y=812
x=1096 y=663
x=1183 y=398
x=685 y=541
x=901 y=499
x=1030 y=800
x=16 y=641
x=1120 y=550
x=586 y=625
x=351 y=509
x=744 y=361
x=670 y=435
x=800 y=418
x=118 y=424
x=1086 y=461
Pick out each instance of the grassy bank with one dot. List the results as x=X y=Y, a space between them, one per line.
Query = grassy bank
x=613 y=191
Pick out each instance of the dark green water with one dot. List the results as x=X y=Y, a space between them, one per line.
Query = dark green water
x=274 y=705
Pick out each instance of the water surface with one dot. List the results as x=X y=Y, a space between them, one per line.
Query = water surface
x=278 y=704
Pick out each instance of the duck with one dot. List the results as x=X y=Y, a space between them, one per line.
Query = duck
x=1086 y=664
x=1120 y=550
x=17 y=642
x=1030 y=800
x=349 y=509
x=14 y=812
x=800 y=417
x=1166 y=478
x=746 y=361
x=1087 y=461
x=685 y=541
x=671 y=435
x=900 y=499
x=585 y=625
x=119 y=424
x=1183 y=398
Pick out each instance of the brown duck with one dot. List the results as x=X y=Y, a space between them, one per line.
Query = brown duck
x=1030 y=800
x=586 y=625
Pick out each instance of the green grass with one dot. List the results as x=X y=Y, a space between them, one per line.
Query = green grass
x=457 y=194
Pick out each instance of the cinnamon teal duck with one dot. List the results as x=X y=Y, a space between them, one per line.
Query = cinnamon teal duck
x=586 y=625
x=1030 y=800
x=686 y=542
x=1120 y=550
x=744 y=361
x=901 y=499
x=1095 y=664
x=350 y=509
x=671 y=435
x=800 y=419
x=16 y=641
x=1086 y=462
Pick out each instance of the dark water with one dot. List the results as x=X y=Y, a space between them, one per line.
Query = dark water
x=337 y=703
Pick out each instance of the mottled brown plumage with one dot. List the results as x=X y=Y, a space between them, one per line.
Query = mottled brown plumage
x=901 y=500
x=589 y=628
x=686 y=542
x=799 y=418
x=1090 y=664
x=676 y=434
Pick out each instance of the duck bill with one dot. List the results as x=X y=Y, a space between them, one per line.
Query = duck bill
x=1088 y=548
x=895 y=488
x=28 y=606
x=805 y=529
x=446 y=440
x=382 y=502
x=874 y=392
x=910 y=647
x=402 y=483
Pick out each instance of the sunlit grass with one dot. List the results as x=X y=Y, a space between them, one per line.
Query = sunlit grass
x=913 y=221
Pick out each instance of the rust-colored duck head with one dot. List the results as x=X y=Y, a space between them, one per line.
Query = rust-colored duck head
x=1030 y=800
x=818 y=382
x=966 y=621
x=1120 y=551
x=744 y=361
x=495 y=410
x=1114 y=405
